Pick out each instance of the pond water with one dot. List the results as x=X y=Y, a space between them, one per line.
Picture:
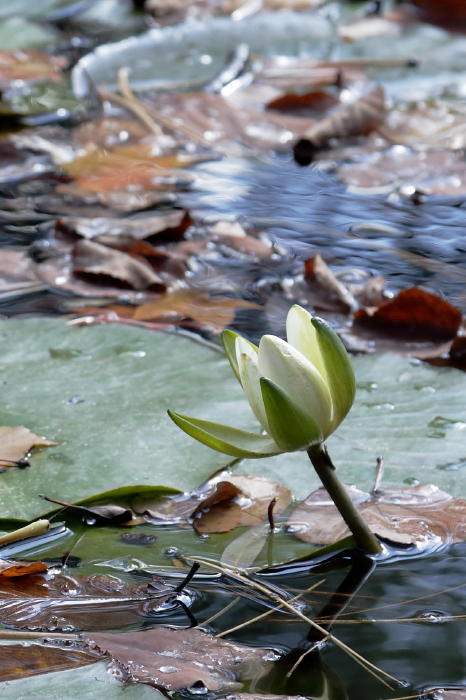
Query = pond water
x=405 y=615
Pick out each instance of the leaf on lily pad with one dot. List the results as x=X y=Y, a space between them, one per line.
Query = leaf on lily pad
x=169 y=658
x=17 y=441
x=12 y=569
x=223 y=503
x=417 y=515
x=213 y=312
x=99 y=515
x=21 y=661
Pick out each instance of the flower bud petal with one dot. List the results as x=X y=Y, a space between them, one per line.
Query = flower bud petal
x=340 y=374
x=223 y=438
x=290 y=427
x=229 y=343
x=250 y=379
x=293 y=373
x=302 y=335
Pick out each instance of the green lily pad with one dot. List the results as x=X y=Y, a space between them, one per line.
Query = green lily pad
x=197 y=50
x=103 y=391
x=19 y=33
x=86 y=682
x=39 y=98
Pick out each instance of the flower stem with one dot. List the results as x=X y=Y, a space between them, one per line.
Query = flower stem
x=322 y=463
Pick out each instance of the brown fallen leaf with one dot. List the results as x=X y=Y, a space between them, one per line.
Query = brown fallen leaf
x=98 y=515
x=101 y=262
x=223 y=503
x=413 y=314
x=29 y=65
x=135 y=228
x=11 y=569
x=169 y=658
x=328 y=291
x=17 y=441
x=357 y=118
x=62 y=602
x=215 y=313
x=417 y=515
x=22 y=661
x=126 y=166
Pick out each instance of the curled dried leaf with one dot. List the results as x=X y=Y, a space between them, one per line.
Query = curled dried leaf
x=357 y=118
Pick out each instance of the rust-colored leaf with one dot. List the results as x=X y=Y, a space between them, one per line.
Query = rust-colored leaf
x=20 y=661
x=103 y=170
x=356 y=118
x=413 y=314
x=450 y=14
x=214 y=312
x=170 y=658
x=17 y=441
x=309 y=102
x=11 y=569
x=30 y=66
x=420 y=515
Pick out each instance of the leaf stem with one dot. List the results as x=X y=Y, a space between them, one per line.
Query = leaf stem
x=323 y=465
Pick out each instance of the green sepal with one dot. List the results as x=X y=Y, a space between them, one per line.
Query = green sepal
x=229 y=343
x=340 y=375
x=290 y=427
x=224 y=438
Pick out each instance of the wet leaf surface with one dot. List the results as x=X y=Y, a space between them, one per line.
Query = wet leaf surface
x=417 y=515
x=170 y=658
x=13 y=569
x=223 y=503
x=65 y=603
x=414 y=314
x=20 y=661
x=17 y=441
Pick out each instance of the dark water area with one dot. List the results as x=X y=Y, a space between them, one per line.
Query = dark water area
x=306 y=210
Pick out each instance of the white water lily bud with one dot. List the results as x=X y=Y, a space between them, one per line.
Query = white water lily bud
x=299 y=390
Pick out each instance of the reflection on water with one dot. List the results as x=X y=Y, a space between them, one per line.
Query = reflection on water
x=305 y=210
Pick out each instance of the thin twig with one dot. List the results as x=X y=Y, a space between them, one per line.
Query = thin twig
x=266 y=613
x=135 y=105
x=368 y=665
x=219 y=613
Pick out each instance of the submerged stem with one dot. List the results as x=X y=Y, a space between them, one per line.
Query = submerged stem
x=322 y=463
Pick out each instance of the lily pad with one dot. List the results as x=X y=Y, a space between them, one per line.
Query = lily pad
x=196 y=51
x=88 y=682
x=102 y=393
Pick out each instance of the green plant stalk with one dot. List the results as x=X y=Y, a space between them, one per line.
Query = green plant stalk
x=323 y=465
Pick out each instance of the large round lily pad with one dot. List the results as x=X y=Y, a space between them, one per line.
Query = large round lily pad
x=103 y=391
